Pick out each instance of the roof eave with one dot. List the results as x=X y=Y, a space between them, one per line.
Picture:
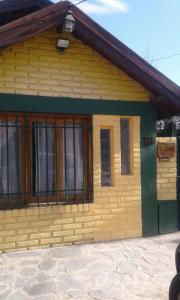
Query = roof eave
x=102 y=42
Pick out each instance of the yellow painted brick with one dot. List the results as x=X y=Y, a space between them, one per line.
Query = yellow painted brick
x=63 y=221
x=7 y=246
x=84 y=219
x=36 y=236
x=96 y=217
x=72 y=226
x=62 y=233
x=29 y=212
x=55 y=227
x=16 y=85
x=15 y=73
x=26 y=68
x=16 y=238
x=50 y=241
x=28 y=218
x=83 y=231
x=38 y=87
x=27 y=230
x=7 y=220
x=20 y=213
x=28 y=243
x=39 y=75
x=41 y=223
x=16 y=250
x=89 y=224
x=37 y=211
x=7 y=233
x=72 y=238
x=86 y=207
x=60 y=89
x=16 y=225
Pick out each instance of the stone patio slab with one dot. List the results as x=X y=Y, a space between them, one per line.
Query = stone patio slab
x=138 y=269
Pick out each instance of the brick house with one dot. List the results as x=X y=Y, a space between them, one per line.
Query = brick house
x=77 y=132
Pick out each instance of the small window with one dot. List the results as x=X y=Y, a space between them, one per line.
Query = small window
x=106 y=157
x=125 y=147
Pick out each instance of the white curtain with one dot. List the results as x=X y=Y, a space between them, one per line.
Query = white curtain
x=79 y=158
x=44 y=138
x=9 y=158
x=73 y=159
x=72 y=143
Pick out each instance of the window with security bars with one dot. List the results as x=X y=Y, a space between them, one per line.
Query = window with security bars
x=125 y=146
x=45 y=159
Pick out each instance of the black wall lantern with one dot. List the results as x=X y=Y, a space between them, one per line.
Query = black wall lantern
x=69 y=22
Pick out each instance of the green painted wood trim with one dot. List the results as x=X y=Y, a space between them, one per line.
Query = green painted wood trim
x=165 y=202
x=173 y=130
x=145 y=110
x=10 y=102
x=168 y=216
x=149 y=176
x=178 y=179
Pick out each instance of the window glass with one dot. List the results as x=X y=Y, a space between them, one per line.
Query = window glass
x=105 y=137
x=73 y=166
x=9 y=158
x=125 y=147
x=43 y=158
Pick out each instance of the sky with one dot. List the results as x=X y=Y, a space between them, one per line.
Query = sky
x=149 y=27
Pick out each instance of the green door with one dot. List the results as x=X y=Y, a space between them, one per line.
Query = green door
x=169 y=211
x=178 y=178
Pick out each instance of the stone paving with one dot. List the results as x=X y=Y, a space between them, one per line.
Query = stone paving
x=131 y=269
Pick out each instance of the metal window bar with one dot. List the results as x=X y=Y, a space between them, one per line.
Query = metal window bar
x=74 y=156
x=17 y=154
x=26 y=147
x=28 y=191
x=65 y=163
x=90 y=159
x=84 y=164
x=7 y=157
x=47 y=162
x=35 y=173
x=56 y=159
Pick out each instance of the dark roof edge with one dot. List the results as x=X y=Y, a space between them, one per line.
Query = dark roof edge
x=14 y=5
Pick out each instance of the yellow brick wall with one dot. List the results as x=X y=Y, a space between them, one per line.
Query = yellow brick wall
x=120 y=205
x=166 y=175
x=115 y=213
x=36 y=67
